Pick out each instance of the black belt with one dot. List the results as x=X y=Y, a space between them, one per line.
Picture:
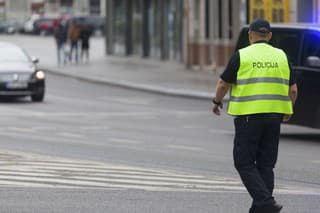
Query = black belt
x=261 y=115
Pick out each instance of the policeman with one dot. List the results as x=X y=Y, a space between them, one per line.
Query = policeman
x=263 y=91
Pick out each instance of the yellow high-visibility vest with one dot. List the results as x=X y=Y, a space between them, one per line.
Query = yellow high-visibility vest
x=262 y=82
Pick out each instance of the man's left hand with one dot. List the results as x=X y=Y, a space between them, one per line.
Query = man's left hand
x=286 y=118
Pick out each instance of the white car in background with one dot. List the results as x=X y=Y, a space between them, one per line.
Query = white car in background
x=28 y=25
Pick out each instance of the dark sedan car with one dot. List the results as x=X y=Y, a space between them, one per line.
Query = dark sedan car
x=301 y=42
x=19 y=75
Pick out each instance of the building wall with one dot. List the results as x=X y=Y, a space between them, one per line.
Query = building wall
x=17 y=9
x=208 y=29
x=196 y=43
x=22 y=8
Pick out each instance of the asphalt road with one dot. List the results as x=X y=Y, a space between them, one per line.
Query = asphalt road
x=94 y=148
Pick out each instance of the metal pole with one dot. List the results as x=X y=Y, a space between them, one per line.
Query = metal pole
x=109 y=27
x=145 y=29
x=164 y=27
x=128 y=36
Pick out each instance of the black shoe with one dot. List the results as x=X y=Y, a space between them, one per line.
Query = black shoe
x=275 y=208
x=251 y=210
x=271 y=208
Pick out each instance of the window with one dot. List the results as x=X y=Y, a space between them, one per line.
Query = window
x=289 y=41
x=311 y=46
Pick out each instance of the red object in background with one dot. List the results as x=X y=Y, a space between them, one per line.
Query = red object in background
x=37 y=8
x=55 y=24
x=46 y=25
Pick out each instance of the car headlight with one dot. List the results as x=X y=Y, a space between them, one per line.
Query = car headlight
x=40 y=75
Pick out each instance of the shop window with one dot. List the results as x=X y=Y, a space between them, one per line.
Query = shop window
x=220 y=18
x=207 y=19
x=94 y=6
x=119 y=26
x=137 y=27
x=155 y=16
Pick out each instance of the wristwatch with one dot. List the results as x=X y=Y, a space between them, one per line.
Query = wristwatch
x=216 y=102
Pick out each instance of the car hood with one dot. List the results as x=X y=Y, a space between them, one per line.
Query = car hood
x=6 y=67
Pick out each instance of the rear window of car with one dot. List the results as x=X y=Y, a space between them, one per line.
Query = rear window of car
x=287 y=40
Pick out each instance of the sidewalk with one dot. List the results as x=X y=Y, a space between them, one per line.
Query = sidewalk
x=165 y=77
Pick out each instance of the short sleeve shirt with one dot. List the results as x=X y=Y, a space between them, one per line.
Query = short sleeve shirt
x=230 y=73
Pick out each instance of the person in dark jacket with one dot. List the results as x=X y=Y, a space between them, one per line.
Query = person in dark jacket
x=85 y=34
x=61 y=40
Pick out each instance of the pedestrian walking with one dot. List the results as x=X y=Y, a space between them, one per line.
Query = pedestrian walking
x=85 y=34
x=263 y=91
x=61 y=40
x=73 y=38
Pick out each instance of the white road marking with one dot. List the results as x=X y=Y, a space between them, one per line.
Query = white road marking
x=134 y=101
x=194 y=127
x=70 y=135
x=21 y=169
x=221 y=131
x=24 y=130
x=30 y=170
x=124 y=141
x=63 y=115
x=186 y=148
x=99 y=127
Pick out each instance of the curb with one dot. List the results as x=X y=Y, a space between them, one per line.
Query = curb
x=140 y=87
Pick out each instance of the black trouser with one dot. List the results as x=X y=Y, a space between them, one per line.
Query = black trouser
x=255 y=154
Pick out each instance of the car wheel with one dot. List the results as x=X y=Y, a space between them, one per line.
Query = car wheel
x=38 y=97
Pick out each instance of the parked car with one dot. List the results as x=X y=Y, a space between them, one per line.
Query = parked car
x=28 y=25
x=44 y=26
x=16 y=26
x=301 y=43
x=4 y=26
x=19 y=75
x=10 y=26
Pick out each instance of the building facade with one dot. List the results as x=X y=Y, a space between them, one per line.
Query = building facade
x=18 y=9
x=149 y=28
x=194 y=32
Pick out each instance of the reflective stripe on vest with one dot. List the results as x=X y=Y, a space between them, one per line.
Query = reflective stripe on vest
x=262 y=82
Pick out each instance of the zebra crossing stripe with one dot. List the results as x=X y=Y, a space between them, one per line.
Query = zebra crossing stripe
x=21 y=169
x=30 y=170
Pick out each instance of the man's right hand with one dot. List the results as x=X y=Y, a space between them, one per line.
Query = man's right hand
x=216 y=110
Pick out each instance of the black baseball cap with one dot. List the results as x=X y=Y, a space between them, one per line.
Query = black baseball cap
x=260 y=25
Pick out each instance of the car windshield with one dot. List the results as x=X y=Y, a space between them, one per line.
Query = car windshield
x=287 y=40
x=13 y=54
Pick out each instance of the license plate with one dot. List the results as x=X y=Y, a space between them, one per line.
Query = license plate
x=17 y=85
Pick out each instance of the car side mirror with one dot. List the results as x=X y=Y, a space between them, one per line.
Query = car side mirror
x=35 y=60
x=313 y=61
